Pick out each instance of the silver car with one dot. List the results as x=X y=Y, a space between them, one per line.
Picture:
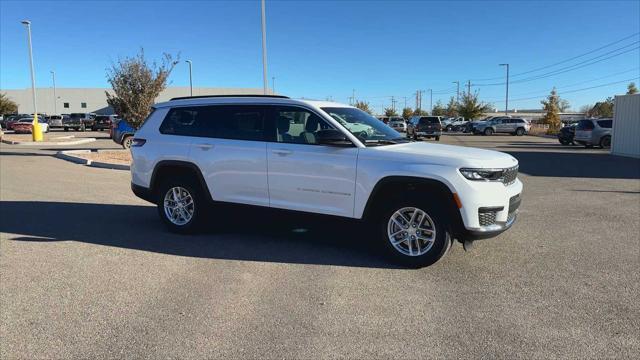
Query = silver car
x=512 y=126
x=590 y=132
x=398 y=124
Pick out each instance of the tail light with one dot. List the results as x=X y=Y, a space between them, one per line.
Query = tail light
x=137 y=142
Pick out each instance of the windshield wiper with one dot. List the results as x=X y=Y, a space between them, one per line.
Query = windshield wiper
x=385 y=141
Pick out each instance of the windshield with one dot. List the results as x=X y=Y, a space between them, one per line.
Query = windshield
x=429 y=120
x=366 y=127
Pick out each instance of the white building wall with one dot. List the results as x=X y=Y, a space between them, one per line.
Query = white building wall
x=96 y=100
x=625 y=140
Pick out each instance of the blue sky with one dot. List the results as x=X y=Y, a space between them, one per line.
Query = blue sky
x=318 y=49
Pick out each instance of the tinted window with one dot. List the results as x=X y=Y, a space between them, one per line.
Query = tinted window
x=226 y=122
x=585 y=125
x=430 y=120
x=181 y=121
x=297 y=126
x=605 y=123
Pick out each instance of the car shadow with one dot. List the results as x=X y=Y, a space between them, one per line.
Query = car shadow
x=249 y=235
x=577 y=165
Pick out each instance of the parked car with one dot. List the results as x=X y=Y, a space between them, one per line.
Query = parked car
x=398 y=123
x=456 y=124
x=514 y=126
x=590 y=132
x=57 y=121
x=79 y=121
x=566 y=134
x=25 y=126
x=425 y=126
x=122 y=133
x=9 y=119
x=198 y=152
x=103 y=122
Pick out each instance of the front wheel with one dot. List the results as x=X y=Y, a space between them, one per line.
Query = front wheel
x=520 y=132
x=488 y=131
x=414 y=235
x=605 y=142
x=437 y=138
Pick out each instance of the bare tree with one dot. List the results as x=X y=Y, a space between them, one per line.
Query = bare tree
x=136 y=84
x=7 y=106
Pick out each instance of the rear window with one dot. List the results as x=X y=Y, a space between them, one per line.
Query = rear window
x=102 y=117
x=430 y=120
x=77 y=115
x=585 y=125
x=605 y=123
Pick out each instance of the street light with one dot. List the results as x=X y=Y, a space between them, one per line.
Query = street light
x=264 y=50
x=36 y=131
x=190 y=78
x=55 y=105
x=506 y=101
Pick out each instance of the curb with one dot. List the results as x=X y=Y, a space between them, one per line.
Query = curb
x=68 y=156
x=49 y=143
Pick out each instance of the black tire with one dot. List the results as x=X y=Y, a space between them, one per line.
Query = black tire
x=415 y=137
x=605 y=142
x=519 y=131
x=437 y=138
x=93 y=128
x=66 y=129
x=449 y=128
x=588 y=146
x=564 y=142
x=126 y=142
x=488 y=131
x=441 y=244
x=199 y=206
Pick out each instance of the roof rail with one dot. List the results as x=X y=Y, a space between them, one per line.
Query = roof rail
x=238 y=95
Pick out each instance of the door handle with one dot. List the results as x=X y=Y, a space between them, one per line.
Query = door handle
x=204 y=146
x=282 y=152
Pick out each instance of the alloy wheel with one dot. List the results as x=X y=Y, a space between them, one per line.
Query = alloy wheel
x=411 y=231
x=178 y=206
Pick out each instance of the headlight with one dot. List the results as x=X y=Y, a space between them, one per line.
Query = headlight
x=482 y=174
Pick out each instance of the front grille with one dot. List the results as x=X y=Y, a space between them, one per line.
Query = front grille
x=509 y=175
x=487 y=218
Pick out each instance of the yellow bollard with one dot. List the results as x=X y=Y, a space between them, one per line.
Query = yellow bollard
x=36 y=130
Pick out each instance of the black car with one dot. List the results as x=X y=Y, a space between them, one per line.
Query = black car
x=566 y=134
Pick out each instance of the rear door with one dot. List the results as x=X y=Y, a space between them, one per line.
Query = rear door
x=230 y=150
x=584 y=130
x=304 y=175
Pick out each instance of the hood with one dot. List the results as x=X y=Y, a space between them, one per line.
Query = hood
x=449 y=155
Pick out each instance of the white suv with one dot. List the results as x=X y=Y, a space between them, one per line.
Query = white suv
x=308 y=156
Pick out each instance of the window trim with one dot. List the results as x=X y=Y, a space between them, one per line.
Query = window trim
x=273 y=122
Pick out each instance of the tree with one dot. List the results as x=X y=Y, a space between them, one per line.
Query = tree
x=420 y=112
x=407 y=112
x=471 y=107
x=563 y=105
x=136 y=84
x=632 y=89
x=438 y=109
x=364 y=106
x=452 y=108
x=551 y=106
x=390 y=112
x=585 y=109
x=7 y=106
x=602 y=109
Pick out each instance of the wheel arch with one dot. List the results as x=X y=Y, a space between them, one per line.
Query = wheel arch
x=176 y=168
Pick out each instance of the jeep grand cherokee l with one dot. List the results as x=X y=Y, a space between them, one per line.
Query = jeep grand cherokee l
x=272 y=151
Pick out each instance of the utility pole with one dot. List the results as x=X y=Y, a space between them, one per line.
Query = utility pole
x=353 y=97
x=55 y=99
x=405 y=101
x=264 y=49
x=506 y=100
x=393 y=103
x=457 y=91
x=273 y=84
x=468 y=87
x=190 y=78
x=430 y=101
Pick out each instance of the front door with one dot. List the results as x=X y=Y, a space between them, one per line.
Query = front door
x=304 y=175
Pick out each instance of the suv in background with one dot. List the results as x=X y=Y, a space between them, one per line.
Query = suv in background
x=79 y=121
x=274 y=152
x=56 y=121
x=513 y=126
x=592 y=132
x=103 y=122
x=427 y=126
x=398 y=123
x=122 y=132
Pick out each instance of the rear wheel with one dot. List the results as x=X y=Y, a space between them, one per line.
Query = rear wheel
x=488 y=131
x=126 y=142
x=519 y=131
x=449 y=128
x=414 y=233
x=66 y=128
x=180 y=205
x=437 y=138
x=605 y=142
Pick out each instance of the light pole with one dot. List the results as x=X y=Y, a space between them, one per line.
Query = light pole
x=506 y=101
x=457 y=91
x=264 y=50
x=273 y=84
x=36 y=132
x=190 y=78
x=430 y=101
x=55 y=105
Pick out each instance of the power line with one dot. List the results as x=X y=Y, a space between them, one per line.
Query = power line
x=577 y=90
x=564 y=61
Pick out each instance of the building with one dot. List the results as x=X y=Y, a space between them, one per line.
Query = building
x=625 y=139
x=78 y=100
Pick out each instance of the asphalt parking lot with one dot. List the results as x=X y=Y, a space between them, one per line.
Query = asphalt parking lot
x=88 y=271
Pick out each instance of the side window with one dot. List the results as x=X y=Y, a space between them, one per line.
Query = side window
x=181 y=121
x=298 y=126
x=241 y=122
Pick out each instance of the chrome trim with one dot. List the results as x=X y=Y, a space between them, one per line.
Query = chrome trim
x=411 y=231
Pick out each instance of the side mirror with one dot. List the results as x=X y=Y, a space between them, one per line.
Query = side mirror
x=332 y=137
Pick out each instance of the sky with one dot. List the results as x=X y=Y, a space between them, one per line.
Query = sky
x=331 y=49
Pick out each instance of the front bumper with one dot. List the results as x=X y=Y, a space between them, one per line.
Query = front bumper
x=143 y=193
